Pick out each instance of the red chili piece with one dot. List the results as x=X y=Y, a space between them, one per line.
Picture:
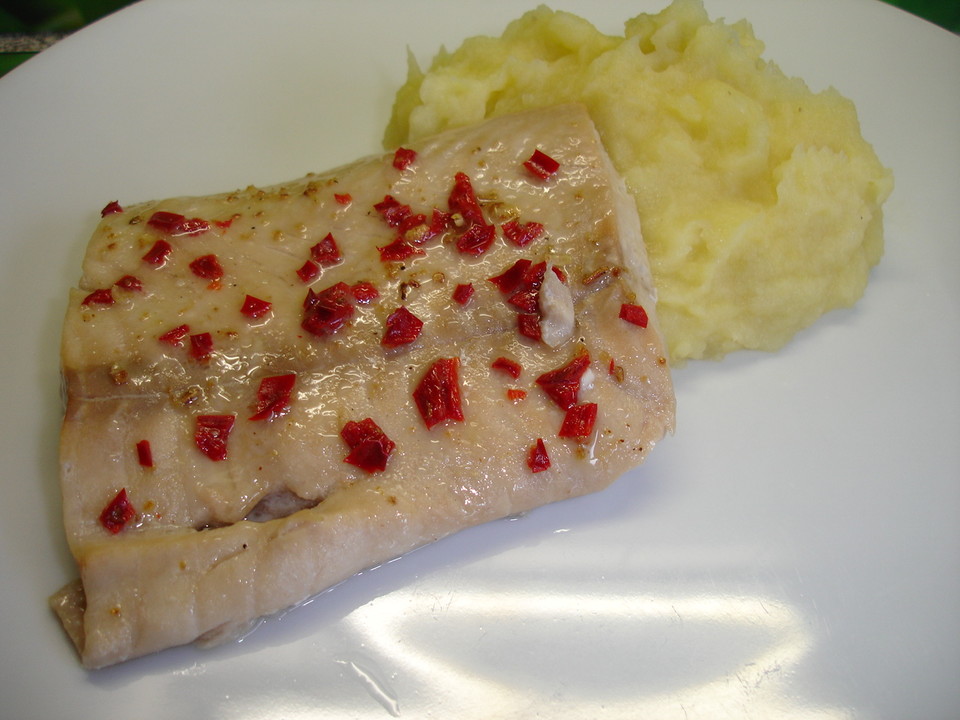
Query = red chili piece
x=440 y=221
x=541 y=165
x=537 y=459
x=560 y=273
x=201 y=345
x=522 y=235
x=175 y=224
x=111 y=208
x=410 y=222
x=207 y=267
x=510 y=367
x=463 y=200
x=438 y=394
x=525 y=297
x=477 y=239
x=309 y=272
x=370 y=448
x=403 y=157
x=579 y=420
x=511 y=278
x=398 y=250
x=255 y=307
x=117 y=513
x=634 y=314
x=563 y=384
x=528 y=325
x=130 y=282
x=102 y=296
x=273 y=396
x=326 y=251
x=224 y=224
x=516 y=394
x=402 y=327
x=392 y=211
x=343 y=198
x=462 y=293
x=157 y=255
x=327 y=311
x=144 y=453
x=364 y=292
x=175 y=336
x=212 y=434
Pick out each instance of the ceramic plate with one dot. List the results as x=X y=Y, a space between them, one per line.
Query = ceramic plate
x=792 y=552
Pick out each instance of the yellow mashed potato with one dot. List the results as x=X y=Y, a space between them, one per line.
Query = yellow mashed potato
x=760 y=200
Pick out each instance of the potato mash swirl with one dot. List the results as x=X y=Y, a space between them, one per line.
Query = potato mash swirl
x=760 y=200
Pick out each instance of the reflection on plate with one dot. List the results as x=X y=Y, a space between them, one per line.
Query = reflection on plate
x=791 y=552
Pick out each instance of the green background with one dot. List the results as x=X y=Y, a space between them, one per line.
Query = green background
x=64 y=16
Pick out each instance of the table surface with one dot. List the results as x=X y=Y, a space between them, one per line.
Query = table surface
x=24 y=31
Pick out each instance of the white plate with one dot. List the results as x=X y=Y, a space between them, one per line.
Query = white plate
x=794 y=551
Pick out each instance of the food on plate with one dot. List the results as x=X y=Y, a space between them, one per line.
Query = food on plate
x=760 y=200
x=272 y=389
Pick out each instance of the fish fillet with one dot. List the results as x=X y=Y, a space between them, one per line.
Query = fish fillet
x=392 y=434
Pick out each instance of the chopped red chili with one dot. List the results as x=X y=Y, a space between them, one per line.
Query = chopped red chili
x=144 y=453
x=537 y=458
x=157 y=255
x=103 y=296
x=513 y=277
x=463 y=200
x=462 y=293
x=224 y=224
x=326 y=251
x=560 y=273
x=364 y=292
x=510 y=367
x=370 y=448
x=327 y=311
x=634 y=314
x=392 y=211
x=343 y=198
x=130 y=282
x=525 y=297
x=110 y=208
x=477 y=239
x=117 y=513
x=207 y=267
x=403 y=157
x=563 y=383
x=175 y=224
x=212 y=434
x=273 y=396
x=255 y=307
x=522 y=235
x=516 y=394
x=440 y=222
x=402 y=327
x=438 y=394
x=308 y=272
x=175 y=336
x=398 y=250
x=528 y=325
x=201 y=345
x=579 y=420
x=413 y=221
x=541 y=165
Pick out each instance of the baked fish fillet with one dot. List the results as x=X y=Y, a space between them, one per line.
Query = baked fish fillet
x=272 y=389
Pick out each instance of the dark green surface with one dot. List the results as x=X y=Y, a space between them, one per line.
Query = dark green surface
x=64 y=16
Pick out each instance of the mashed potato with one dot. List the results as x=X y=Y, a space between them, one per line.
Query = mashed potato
x=760 y=200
